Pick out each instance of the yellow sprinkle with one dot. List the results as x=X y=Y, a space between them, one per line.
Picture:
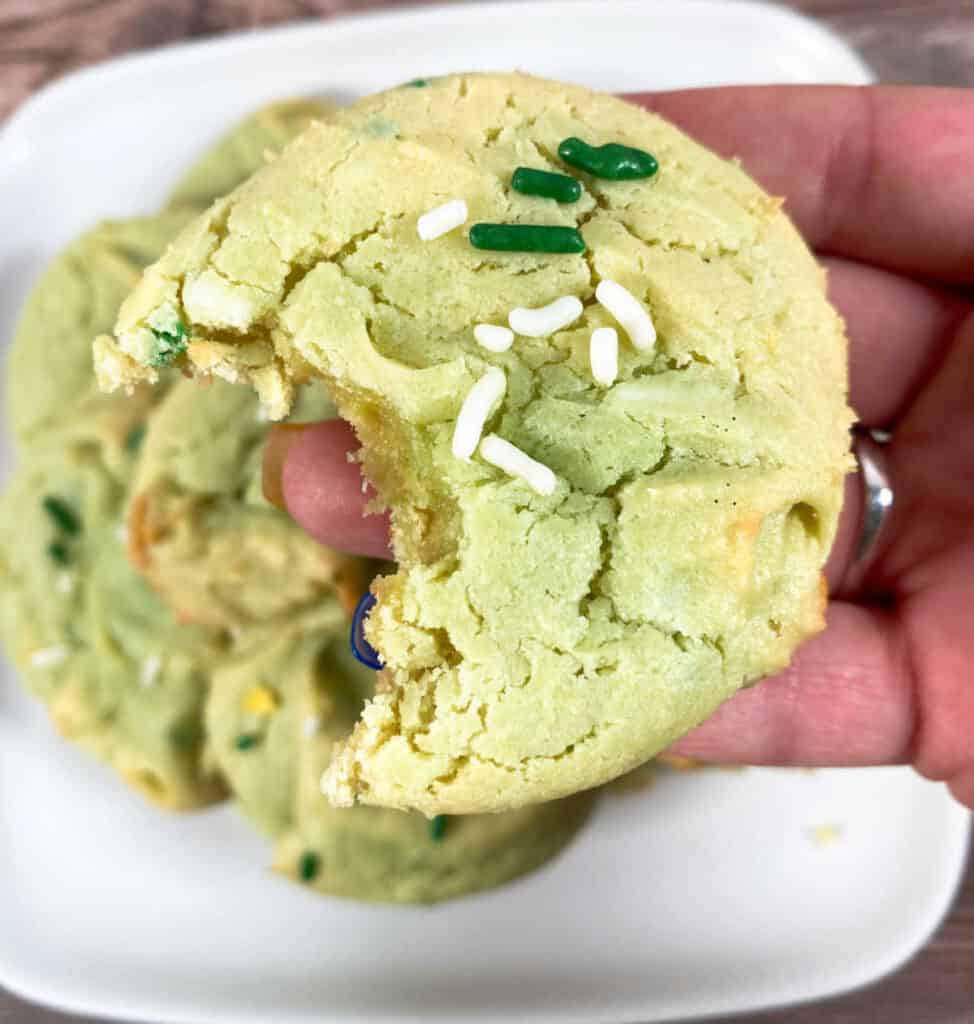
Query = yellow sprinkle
x=825 y=835
x=261 y=700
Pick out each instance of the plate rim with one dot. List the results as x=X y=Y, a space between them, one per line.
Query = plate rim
x=50 y=93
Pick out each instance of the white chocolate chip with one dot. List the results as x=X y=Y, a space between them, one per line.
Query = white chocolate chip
x=539 y=323
x=481 y=402
x=442 y=219
x=64 y=582
x=603 y=352
x=493 y=337
x=48 y=657
x=629 y=311
x=513 y=461
x=150 y=671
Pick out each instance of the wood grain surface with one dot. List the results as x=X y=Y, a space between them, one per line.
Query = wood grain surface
x=917 y=41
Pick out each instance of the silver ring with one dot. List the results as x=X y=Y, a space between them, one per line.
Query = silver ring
x=868 y=447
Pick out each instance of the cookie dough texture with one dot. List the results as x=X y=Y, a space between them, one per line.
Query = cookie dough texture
x=244 y=148
x=309 y=691
x=534 y=646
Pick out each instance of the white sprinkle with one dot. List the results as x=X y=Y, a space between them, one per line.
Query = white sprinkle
x=629 y=311
x=603 y=352
x=48 y=657
x=122 y=533
x=150 y=671
x=64 y=582
x=512 y=460
x=539 y=323
x=494 y=337
x=442 y=219
x=262 y=415
x=311 y=726
x=480 y=403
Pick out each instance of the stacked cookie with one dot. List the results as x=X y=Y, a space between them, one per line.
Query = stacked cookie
x=175 y=624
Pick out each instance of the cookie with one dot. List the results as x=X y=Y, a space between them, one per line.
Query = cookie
x=200 y=529
x=274 y=715
x=244 y=148
x=629 y=521
x=79 y=295
x=90 y=638
x=119 y=674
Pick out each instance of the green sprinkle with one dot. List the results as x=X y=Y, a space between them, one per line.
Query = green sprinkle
x=418 y=83
x=246 y=741
x=612 y=161
x=59 y=553
x=437 y=827
x=308 y=866
x=134 y=438
x=62 y=514
x=171 y=344
x=526 y=238
x=560 y=187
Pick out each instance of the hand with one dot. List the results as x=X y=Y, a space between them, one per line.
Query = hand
x=878 y=181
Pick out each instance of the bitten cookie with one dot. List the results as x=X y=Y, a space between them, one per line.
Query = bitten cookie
x=609 y=516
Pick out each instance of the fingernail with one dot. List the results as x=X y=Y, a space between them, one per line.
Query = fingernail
x=279 y=440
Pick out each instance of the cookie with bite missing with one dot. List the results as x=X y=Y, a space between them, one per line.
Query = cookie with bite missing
x=607 y=518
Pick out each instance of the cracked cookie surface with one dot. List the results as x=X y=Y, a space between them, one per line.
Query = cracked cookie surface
x=534 y=645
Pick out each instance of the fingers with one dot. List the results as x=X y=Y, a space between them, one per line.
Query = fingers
x=847 y=699
x=877 y=174
x=324 y=493
x=898 y=329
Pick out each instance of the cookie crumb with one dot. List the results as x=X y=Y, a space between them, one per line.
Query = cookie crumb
x=825 y=835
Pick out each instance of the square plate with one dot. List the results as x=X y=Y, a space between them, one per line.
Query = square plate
x=705 y=894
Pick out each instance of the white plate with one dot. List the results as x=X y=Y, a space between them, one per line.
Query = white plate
x=707 y=894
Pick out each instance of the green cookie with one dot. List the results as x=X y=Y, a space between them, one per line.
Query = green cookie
x=274 y=716
x=654 y=540
x=202 y=532
x=91 y=639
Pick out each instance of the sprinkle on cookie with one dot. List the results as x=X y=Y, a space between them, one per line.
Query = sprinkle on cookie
x=442 y=219
x=480 y=404
x=514 y=462
x=545 y=320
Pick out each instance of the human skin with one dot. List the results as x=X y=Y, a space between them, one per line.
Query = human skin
x=877 y=180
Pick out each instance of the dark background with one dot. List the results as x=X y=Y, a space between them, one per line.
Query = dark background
x=929 y=42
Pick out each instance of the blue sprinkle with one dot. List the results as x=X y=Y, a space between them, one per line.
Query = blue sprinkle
x=361 y=648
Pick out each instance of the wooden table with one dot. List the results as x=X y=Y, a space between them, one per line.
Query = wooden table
x=920 y=41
